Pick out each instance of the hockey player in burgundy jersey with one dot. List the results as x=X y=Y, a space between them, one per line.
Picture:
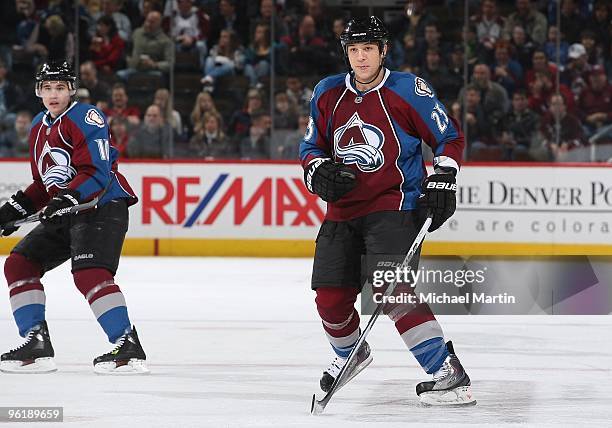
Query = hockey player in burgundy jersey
x=73 y=161
x=362 y=154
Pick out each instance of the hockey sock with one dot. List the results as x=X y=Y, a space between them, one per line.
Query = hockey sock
x=340 y=319
x=26 y=292
x=422 y=334
x=105 y=299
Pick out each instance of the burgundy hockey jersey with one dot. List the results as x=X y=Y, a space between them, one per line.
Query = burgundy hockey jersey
x=379 y=133
x=75 y=151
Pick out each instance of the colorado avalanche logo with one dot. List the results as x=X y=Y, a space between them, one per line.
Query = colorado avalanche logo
x=93 y=118
x=54 y=167
x=360 y=143
x=422 y=89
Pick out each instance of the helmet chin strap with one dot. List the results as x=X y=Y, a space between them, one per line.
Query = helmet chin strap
x=373 y=79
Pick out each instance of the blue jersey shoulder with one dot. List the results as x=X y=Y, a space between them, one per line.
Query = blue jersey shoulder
x=87 y=117
x=409 y=86
x=327 y=84
x=38 y=118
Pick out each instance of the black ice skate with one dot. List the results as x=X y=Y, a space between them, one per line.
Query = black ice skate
x=450 y=386
x=34 y=356
x=363 y=359
x=128 y=357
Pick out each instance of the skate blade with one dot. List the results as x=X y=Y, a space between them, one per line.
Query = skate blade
x=460 y=396
x=40 y=365
x=357 y=370
x=133 y=367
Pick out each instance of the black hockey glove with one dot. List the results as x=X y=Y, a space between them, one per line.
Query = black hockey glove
x=438 y=198
x=57 y=211
x=330 y=180
x=17 y=207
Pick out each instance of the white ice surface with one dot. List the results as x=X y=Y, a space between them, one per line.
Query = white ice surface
x=237 y=343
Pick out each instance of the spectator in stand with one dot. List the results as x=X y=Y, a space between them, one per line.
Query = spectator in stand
x=27 y=23
x=210 y=142
x=520 y=128
x=474 y=49
x=430 y=41
x=164 y=102
x=307 y=51
x=258 y=55
x=413 y=21
x=266 y=9
x=550 y=47
x=121 y=136
x=256 y=145
x=83 y=96
x=437 y=75
x=152 y=50
x=228 y=17
x=152 y=138
x=204 y=103
x=240 y=121
x=571 y=135
x=540 y=64
x=455 y=70
x=576 y=73
x=285 y=112
x=112 y=8
x=225 y=59
x=190 y=29
x=594 y=51
x=489 y=25
x=322 y=18
x=595 y=103
x=572 y=23
x=15 y=141
x=120 y=107
x=289 y=148
x=51 y=40
x=601 y=24
x=528 y=18
x=505 y=70
x=106 y=46
x=88 y=78
x=542 y=88
x=143 y=8
x=9 y=96
x=493 y=96
x=479 y=128
x=523 y=47
x=9 y=20
x=400 y=53
x=299 y=94
x=337 y=57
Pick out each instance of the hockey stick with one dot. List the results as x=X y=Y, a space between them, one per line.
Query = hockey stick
x=36 y=217
x=318 y=406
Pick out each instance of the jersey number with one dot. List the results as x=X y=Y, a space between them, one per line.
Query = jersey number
x=104 y=148
x=440 y=117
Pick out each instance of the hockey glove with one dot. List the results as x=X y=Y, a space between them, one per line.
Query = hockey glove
x=330 y=180
x=58 y=209
x=438 y=198
x=17 y=207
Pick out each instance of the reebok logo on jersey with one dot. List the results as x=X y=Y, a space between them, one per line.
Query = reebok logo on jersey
x=94 y=118
x=440 y=185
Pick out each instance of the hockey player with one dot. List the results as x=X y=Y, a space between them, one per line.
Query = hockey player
x=362 y=154
x=73 y=161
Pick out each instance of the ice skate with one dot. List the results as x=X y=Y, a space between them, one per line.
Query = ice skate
x=128 y=357
x=362 y=360
x=34 y=356
x=450 y=386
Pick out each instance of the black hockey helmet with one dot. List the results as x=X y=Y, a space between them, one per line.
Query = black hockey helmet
x=56 y=71
x=368 y=30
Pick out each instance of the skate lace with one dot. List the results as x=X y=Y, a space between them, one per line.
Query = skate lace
x=119 y=344
x=335 y=366
x=442 y=372
x=27 y=340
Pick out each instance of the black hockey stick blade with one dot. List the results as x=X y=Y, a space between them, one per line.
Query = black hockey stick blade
x=347 y=372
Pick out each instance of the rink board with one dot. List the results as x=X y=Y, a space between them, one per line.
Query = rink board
x=263 y=209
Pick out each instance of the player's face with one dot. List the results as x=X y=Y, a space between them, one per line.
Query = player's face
x=365 y=60
x=55 y=97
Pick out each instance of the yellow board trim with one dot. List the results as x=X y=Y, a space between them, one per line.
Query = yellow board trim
x=305 y=248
